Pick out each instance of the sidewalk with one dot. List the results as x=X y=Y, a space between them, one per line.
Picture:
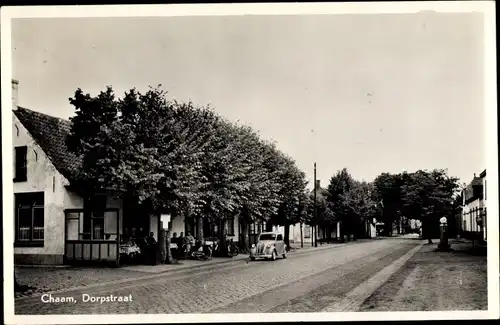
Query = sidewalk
x=435 y=281
x=183 y=264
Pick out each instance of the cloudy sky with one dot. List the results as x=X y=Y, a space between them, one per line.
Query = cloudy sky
x=373 y=93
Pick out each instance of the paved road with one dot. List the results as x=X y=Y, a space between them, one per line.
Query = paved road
x=307 y=282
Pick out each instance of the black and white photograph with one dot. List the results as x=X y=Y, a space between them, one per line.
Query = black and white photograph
x=250 y=162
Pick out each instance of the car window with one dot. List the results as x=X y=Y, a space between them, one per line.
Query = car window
x=267 y=237
x=280 y=237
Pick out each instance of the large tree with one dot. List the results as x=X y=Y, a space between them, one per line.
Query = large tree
x=360 y=206
x=340 y=184
x=388 y=188
x=175 y=157
x=428 y=196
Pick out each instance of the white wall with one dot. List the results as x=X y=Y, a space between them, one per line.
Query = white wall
x=177 y=225
x=42 y=177
x=236 y=236
x=470 y=223
x=153 y=225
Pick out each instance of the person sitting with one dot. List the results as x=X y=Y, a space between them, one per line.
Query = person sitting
x=150 y=240
x=189 y=239
x=187 y=243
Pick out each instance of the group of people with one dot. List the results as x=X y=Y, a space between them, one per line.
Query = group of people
x=183 y=243
x=137 y=244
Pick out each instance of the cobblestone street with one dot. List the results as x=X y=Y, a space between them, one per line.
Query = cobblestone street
x=304 y=282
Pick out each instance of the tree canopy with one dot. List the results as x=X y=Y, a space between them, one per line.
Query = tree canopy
x=422 y=195
x=173 y=156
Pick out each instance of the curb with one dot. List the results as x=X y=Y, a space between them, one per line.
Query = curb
x=176 y=270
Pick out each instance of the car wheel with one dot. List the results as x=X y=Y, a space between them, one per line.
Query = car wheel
x=252 y=258
x=273 y=256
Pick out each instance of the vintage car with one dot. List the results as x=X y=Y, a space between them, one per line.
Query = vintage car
x=269 y=246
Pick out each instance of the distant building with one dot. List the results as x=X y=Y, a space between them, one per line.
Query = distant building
x=474 y=222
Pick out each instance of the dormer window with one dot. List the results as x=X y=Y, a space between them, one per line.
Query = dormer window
x=21 y=171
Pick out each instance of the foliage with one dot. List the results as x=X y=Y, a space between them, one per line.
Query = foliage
x=360 y=203
x=173 y=156
x=340 y=185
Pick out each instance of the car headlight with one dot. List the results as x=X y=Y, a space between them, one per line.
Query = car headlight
x=253 y=245
x=268 y=246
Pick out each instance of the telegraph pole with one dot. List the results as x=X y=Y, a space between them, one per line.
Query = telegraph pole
x=315 y=212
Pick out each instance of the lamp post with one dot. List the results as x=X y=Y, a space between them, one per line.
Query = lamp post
x=443 y=240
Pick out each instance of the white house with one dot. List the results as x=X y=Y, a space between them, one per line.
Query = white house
x=50 y=225
x=474 y=220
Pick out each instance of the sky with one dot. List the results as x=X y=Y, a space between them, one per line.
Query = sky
x=372 y=93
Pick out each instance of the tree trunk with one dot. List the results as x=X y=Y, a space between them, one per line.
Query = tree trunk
x=269 y=226
x=287 y=235
x=168 y=258
x=316 y=236
x=162 y=243
x=301 y=237
x=186 y=220
x=244 y=240
x=222 y=237
x=199 y=228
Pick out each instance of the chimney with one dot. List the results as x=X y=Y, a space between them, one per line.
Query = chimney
x=15 y=87
x=318 y=183
x=474 y=175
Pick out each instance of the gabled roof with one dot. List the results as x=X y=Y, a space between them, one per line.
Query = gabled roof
x=50 y=134
x=476 y=181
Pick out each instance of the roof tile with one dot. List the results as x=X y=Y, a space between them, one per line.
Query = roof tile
x=50 y=134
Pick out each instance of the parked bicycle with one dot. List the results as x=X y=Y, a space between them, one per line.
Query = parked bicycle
x=231 y=250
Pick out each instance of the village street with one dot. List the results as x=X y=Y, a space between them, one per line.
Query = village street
x=339 y=277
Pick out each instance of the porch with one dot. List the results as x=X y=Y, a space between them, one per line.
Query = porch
x=106 y=236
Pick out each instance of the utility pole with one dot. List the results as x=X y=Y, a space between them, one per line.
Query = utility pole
x=315 y=211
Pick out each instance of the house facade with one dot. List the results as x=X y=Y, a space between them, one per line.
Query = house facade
x=51 y=225
x=474 y=221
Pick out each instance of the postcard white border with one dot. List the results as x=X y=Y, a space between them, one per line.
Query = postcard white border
x=486 y=7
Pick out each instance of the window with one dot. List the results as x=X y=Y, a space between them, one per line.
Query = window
x=21 y=172
x=103 y=225
x=93 y=219
x=29 y=213
x=280 y=237
x=267 y=237
x=230 y=226
x=74 y=224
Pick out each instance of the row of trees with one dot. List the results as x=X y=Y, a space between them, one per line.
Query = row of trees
x=177 y=158
x=173 y=157
x=422 y=195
